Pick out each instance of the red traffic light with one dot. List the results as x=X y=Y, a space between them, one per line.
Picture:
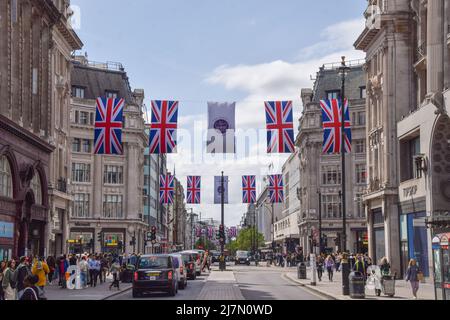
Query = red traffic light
x=221 y=227
x=153 y=229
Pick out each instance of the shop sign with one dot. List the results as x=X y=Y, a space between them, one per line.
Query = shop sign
x=444 y=242
x=6 y=230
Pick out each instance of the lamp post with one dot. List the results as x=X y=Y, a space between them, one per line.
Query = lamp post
x=343 y=71
x=319 y=192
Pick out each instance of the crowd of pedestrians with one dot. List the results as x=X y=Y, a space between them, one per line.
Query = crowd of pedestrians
x=27 y=278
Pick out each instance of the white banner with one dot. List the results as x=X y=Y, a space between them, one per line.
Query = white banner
x=217 y=189
x=221 y=128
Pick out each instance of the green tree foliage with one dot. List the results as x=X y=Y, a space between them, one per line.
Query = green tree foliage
x=244 y=240
x=205 y=245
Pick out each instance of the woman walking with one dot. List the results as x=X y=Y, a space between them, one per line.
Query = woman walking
x=115 y=270
x=329 y=264
x=8 y=283
x=319 y=267
x=412 y=275
x=2 y=270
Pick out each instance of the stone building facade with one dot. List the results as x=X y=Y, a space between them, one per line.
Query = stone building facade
x=321 y=173
x=35 y=36
x=408 y=78
x=108 y=191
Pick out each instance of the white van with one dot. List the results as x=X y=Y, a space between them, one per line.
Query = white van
x=181 y=270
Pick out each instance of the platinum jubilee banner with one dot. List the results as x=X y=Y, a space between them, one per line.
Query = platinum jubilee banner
x=221 y=128
x=218 y=187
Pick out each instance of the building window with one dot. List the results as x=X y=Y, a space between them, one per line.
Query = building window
x=414 y=147
x=362 y=92
x=333 y=94
x=359 y=206
x=112 y=206
x=361 y=174
x=78 y=92
x=331 y=175
x=360 y=146
x=5 y=178
x=362 y=118
x=76 y=145
x=86 y=146
x=36 y=186
x=113 y=175
x=111 y=94
x=84 y=118
x=81 y=206
x=331 y=206
x=81 y=172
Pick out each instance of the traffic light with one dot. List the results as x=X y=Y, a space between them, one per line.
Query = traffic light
x=99 y=237
x=221 y=234
x=153 y=234
x=133 y=241
x=120 y=245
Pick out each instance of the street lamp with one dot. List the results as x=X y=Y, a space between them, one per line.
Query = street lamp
x=319 y=192
x=343 y=71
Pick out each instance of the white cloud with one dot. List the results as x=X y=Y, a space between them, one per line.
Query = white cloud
x=273 y=80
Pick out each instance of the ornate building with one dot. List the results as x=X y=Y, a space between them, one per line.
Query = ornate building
x=320 y=183
x=36 y=39
x=108 y=191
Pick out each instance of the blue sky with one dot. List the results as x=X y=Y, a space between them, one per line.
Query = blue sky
x=196 y=51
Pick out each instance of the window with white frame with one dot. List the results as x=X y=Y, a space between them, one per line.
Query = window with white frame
x=360 y=146
x=86 y=146
x=359 y=206
x=331 y=206
x=331 y=175
x=81 y=206
x=5 y=178
x=84 y=118
x=81 y=172
x=112 y=206
x=36 y=186
x=113 y=174
x=361 y=174
x=76 y=145
x=78 y=92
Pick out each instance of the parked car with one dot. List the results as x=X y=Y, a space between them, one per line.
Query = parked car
x=156 y=272
x=181 y=270
x=190 y=263
x=242 y=257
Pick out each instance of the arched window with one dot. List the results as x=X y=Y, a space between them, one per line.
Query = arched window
x=5 y=178
x=36 y=186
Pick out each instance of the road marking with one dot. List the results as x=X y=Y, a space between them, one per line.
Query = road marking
x=304 y=287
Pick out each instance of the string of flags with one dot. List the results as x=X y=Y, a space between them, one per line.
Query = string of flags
x=221 y=139
x=210 y=232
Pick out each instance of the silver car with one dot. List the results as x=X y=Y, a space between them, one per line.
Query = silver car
x=181 y=270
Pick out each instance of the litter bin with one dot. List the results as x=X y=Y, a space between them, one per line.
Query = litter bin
x=127 y=274
x=388 y=285
x=357 y=285
x=301 y=271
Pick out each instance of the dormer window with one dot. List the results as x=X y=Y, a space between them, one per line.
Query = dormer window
x=111 y=94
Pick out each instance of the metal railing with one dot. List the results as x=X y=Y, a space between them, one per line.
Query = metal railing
x=351 y=63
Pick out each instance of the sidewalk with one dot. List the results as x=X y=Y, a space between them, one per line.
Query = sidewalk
x=333 y=290
x=101 y=292
x=221 y=286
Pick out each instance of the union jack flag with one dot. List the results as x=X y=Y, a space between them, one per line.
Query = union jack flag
x=193 y=189
x=163 y=129
x=166 y=189
x=249 y=189
x=280 y=127
x=332 y=126
x=276 y=193
x=108 y=126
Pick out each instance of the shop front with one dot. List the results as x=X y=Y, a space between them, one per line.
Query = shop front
x=113 y=241
x=379 y=235
x=361 y=244
x=81 y=241
x=6 y=240
x=441 y=264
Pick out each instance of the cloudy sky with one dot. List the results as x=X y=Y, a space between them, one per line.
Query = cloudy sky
x=243 y=51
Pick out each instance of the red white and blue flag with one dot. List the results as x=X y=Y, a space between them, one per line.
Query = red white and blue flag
x=193 y=189
x=166 y=189
x=280 y=127
x=249 y=189
x=332 y=126
x=163 y=129
x=108 y=126
x=276 y=193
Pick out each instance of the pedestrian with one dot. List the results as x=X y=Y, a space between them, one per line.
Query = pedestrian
x=338 y=262
x=97 y=270
x=319 y=261
x=2 y=273
x=84 y=267
x=40 y=269
x=385 y=267
x=115 y=270
x=63 y=265
x=72 y=260
x=31 y=291
x=91 y=268
x=351 y=260
x=103 y=268
x=412 y=275
x=52 y=267
x=329 y=264
x=22 y=271
x=360 y=266
x=8 y=283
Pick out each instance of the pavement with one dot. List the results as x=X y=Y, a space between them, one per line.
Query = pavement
x=333 y=290
x=100 y=292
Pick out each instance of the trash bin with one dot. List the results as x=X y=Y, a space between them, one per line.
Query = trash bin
x=127 y=275
x=301 y=271
x=357 y=285
x=388 y=285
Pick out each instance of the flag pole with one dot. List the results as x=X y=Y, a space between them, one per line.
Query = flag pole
x=222 y=196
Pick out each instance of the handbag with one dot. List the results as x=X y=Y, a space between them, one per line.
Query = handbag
x=420 y=276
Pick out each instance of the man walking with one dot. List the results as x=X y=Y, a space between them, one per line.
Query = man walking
x=22 y=271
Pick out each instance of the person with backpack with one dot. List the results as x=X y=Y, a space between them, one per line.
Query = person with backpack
x=8 y=284
x=31 y=291
x=22 y=271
